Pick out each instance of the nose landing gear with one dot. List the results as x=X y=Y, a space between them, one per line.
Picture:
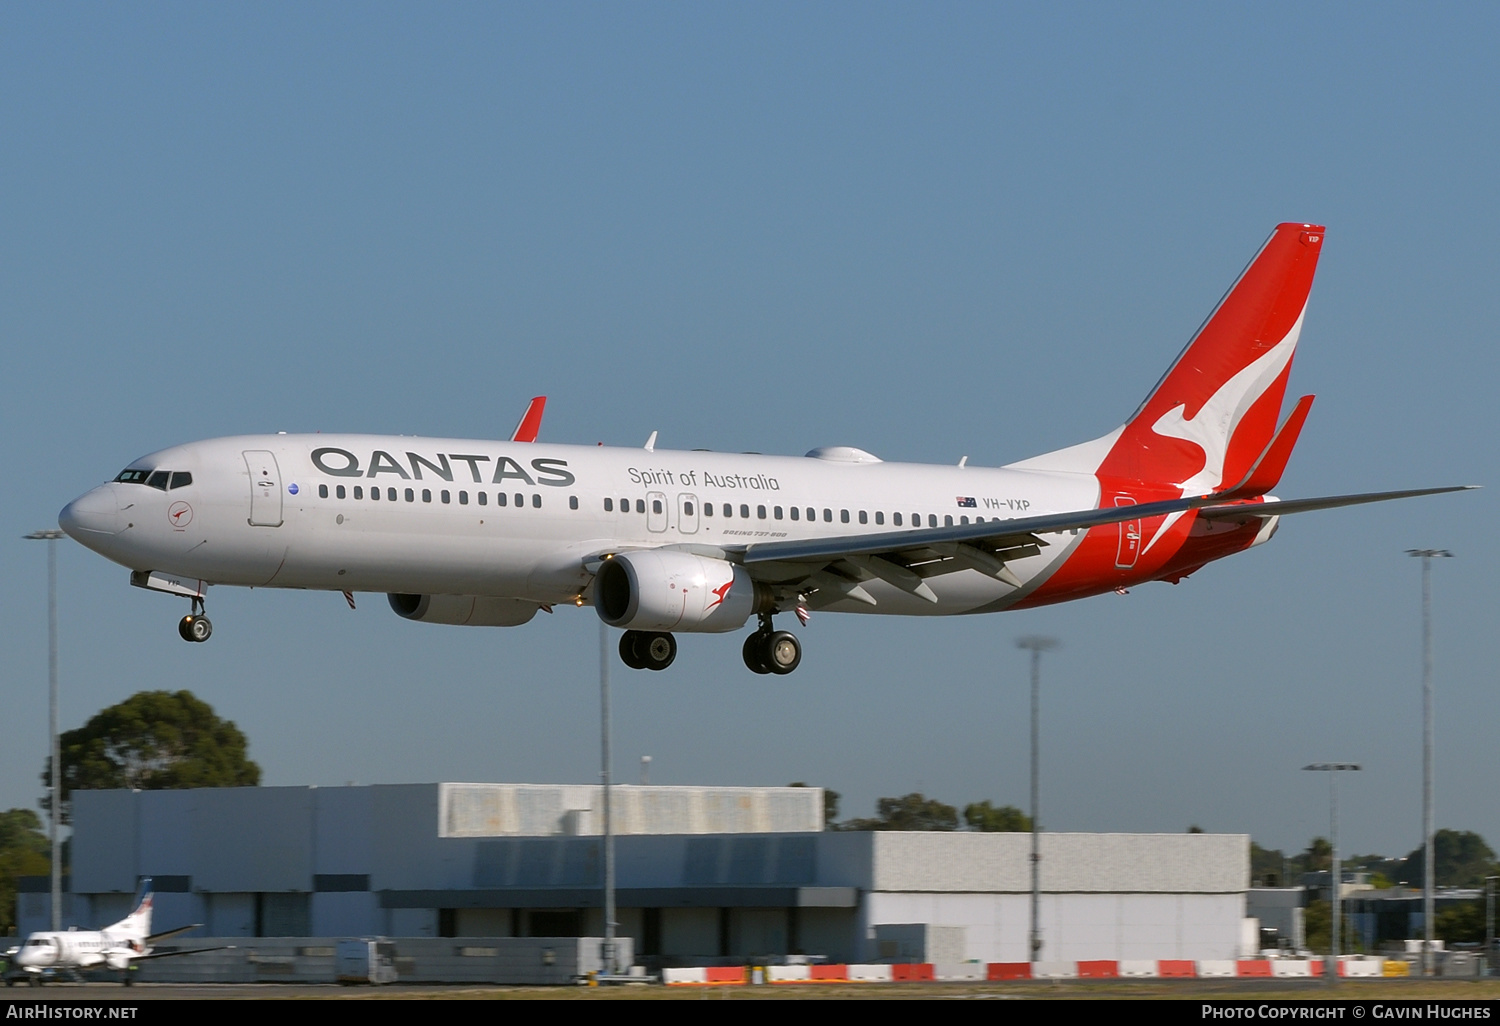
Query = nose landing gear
x=772 y=651
x=195 y=626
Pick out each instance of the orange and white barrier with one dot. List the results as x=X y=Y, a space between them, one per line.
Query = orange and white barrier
x=1166 y=968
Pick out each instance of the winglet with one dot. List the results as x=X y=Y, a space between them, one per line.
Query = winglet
x=1272 y=464
x=531 y=421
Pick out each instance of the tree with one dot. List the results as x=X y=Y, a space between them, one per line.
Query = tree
x=1318 y=858
x=154 y=740
x=24 y=851
x=1461 y=859
x=984 y=817
x=909 y=812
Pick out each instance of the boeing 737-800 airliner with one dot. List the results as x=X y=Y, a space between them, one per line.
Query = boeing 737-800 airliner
x=487 y=533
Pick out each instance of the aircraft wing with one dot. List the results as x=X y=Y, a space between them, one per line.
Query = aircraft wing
x=171 y=933
x=905 y=559
x=180 y=951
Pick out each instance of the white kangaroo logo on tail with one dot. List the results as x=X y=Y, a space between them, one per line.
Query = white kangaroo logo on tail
x=1211 y=428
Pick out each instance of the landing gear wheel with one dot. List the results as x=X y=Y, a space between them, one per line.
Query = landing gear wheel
x=783 y=652
x=630 y=649
x=195 y=628
x=754 y=653
x=657 y=650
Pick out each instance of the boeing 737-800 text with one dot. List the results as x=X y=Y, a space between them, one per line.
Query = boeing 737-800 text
x=487 y=533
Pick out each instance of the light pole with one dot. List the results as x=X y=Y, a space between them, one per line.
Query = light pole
x=1489 y=923
x=1428 y=886
x=1335 y=874
x=609 y=833
x=1036 y=644
x=54 y=745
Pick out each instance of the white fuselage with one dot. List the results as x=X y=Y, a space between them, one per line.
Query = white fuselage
x=522 y=521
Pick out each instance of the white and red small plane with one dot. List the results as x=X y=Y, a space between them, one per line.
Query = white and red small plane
x=116 y=947
x=487 y=533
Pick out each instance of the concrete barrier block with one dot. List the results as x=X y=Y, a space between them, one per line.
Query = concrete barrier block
x=788 y=973
x=959 y=971
x=870 y=973
x=1216 y=967
x=1054 y=970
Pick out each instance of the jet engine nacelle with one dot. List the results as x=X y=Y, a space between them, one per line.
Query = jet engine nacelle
x=465 y=610
x=668 y=590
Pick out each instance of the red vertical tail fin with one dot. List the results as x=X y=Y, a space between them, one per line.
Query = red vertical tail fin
x=1213 y=414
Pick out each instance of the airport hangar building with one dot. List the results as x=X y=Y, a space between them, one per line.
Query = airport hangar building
x=703 y=875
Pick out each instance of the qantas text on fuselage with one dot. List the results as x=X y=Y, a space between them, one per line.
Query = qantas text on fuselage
x=662 y=543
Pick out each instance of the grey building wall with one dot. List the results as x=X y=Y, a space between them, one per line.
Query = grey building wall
x=414 y=860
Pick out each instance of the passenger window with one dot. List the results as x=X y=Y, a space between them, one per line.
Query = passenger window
x=536 y=501
x=656 y=505
x=158 y=479
x=687 y=509
x=640 y=505
x=359 y=491
x=390 y=494
x=864 y=518
x=948 y=521
x=744 y=511
x=426 y=494
x=932 y=520
x=963 y=520
x=708 y=509
x=483 y=497
x=879 y=517
x=501 y=499
x=812 y=514
x=339 y=491
x=776 y=512
x=463 y=498
x=760 y=511
x=181 y=479
x=728 y=510
x=827 y=515
x=572 y=502
x=520 y=500
x=609 y=505
x=375 y=494
x=411 y=496
x=322 y=491
x=796 y=513
x=444 y=496
x=896 y=519
x=843 y=516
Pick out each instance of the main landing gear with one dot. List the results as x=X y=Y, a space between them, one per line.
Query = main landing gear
x=195 y=626
x=647 y=650
x=772 y=651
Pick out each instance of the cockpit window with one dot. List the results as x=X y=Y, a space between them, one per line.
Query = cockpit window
x=181 y=479
x=133 y=476
x=158 y=479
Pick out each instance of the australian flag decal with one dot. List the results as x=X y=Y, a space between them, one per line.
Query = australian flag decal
x=967 y=502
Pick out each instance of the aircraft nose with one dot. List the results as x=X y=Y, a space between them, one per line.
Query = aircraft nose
x=93 y=512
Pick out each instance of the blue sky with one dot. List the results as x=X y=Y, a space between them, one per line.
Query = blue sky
x=927 y=230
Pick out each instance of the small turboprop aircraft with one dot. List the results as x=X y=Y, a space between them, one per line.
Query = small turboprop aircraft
x=488 y=533
x=115 y=947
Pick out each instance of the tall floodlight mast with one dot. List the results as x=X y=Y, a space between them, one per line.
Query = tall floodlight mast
x=1036 y=644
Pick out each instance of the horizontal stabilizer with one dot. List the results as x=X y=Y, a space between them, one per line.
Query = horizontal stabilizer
x=1277 y=507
